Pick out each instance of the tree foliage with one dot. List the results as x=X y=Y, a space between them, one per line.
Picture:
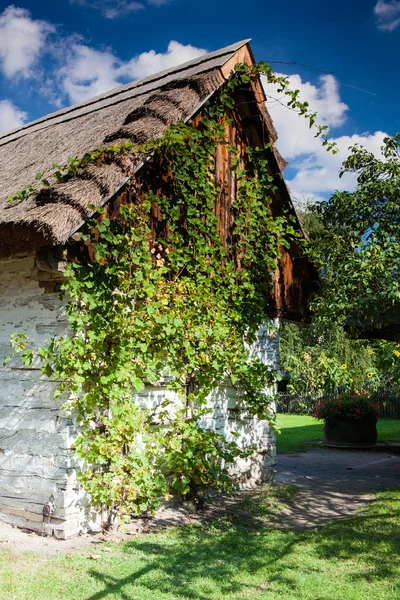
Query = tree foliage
x=360 y=264
x=355 y=239
x=322 y=358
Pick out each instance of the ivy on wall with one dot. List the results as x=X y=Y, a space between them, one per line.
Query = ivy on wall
x=182 y=305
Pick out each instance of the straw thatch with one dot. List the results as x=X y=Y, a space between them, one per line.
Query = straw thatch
x=137 y=112
x=55 y=215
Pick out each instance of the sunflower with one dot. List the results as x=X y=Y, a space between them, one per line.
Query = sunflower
x=344 y=366
x=370 y=375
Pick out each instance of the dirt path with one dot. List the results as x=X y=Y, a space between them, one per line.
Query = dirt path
x=23 y=540
x=333 y=483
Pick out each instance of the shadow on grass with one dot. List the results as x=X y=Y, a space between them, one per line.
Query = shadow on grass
x=230 y=558
x=201 y=565
x=375 y=542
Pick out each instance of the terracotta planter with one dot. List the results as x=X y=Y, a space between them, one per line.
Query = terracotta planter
x=350 y=433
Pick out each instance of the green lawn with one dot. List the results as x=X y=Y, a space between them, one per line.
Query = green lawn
x=297 y=430
x=232 y=559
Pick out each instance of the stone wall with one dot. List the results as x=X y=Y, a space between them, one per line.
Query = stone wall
x=37 y=462
x=245 y=430
x=37 y=465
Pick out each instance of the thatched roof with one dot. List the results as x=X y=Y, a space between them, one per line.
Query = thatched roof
x=138 y=112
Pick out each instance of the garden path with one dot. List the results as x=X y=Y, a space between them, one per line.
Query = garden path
x=332 y=484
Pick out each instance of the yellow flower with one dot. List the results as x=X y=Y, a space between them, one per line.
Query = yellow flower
x=370 y=374
x=396 y=352
x=344 y=366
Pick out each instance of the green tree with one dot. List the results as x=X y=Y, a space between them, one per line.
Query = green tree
x=327 y=353
x=360 y=260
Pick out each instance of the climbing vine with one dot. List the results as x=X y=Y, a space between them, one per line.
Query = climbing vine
x=182 y=307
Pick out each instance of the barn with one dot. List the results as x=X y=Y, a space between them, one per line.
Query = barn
x=37 y=462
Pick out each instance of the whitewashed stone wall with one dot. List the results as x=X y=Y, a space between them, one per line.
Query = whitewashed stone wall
x=37 y=462
x=247 y=430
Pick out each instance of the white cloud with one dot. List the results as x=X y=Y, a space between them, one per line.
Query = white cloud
x=317 y=169
x=90 y=72
x=318 y=174
x=388 y=13
x=113 y=9
x=151 y=62
x=118 y=9
x=294 y=133
x=22 y=40
x=11 y=117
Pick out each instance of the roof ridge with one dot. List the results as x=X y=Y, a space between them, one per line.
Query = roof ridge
x=123 y=88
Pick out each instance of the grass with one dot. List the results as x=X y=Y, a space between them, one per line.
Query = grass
x=299 y=431
x=232 y=558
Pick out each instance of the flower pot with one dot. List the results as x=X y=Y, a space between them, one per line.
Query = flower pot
x=350 y=433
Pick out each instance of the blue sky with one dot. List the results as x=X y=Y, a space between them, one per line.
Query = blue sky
x=56 y=53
